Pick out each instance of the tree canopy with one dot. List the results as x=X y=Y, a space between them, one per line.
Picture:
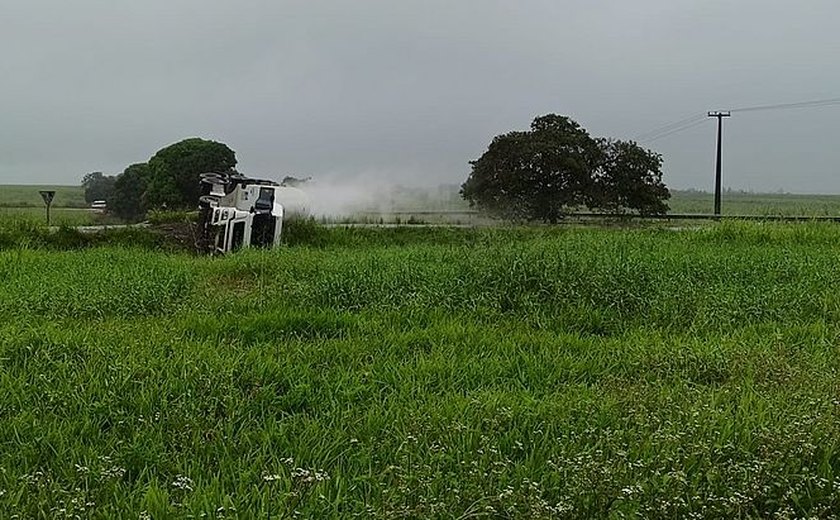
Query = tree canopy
x=98 y=186
x=557 y=167
x=170 y=178
x=174 y=171
x=129 y=190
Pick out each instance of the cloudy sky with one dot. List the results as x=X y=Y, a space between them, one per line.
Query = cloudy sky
x=410 y=90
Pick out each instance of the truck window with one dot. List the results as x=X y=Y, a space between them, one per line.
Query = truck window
x=238 y=236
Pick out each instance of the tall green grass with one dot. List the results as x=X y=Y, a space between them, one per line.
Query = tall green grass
x=574 y=373
x=26 y=234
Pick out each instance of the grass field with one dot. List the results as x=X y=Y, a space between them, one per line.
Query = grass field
x=15 y=196
x=428 y=373
x=58 y=216
x=741 y=203
x=681 y=202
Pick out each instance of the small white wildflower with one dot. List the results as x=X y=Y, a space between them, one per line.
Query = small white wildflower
x=506 y=493
x=307 y=475
x=302 y=473
x=114 y=472
x=182 y=482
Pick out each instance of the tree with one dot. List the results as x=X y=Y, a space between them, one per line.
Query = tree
x=630 y=177
x=174 y=171
x=98 y=186
x=557 y=167
x=129 y=190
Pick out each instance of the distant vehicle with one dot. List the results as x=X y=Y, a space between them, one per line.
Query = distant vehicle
x=99 y=205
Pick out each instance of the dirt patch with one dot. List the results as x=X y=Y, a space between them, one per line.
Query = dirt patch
x=181 y=235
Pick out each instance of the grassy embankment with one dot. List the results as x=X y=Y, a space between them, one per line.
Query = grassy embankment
x=427 y=373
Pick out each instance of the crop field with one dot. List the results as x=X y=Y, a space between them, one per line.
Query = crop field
x=762 y=204
x=427 y=373
x=26 y=195
x=24 y=203
x=733 y=203
x=58 y=216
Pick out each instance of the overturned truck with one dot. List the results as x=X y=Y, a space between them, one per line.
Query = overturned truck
x=236 y=211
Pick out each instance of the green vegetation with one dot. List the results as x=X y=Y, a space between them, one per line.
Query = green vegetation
x=420 y=373
x=98 y=186
x=129 y=188
x=173 y=178
x=25 y=234
x=557 y=168
x=744 y=203
x=58 y=216
x=16 y=196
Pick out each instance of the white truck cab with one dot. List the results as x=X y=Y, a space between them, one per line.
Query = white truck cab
x=237 y=212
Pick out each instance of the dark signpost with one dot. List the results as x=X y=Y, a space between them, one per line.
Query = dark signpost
x=47 y=195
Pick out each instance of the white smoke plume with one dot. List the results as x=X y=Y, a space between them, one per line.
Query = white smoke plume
x=345 y=197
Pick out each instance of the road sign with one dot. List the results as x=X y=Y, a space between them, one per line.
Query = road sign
x=47 y=195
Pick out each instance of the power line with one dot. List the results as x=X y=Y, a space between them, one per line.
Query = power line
x=799 y=104
x=697 y=119
x=670 y=126
x=676 y=130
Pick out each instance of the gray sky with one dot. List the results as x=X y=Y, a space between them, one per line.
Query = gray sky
x=411 y=90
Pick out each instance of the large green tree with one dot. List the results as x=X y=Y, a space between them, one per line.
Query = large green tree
x=557 y=167
x=174 y=171
x=129 y=192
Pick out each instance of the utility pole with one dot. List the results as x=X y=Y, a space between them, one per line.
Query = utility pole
x=719 y=115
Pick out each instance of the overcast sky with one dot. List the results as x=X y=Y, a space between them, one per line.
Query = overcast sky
x=413 y=89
